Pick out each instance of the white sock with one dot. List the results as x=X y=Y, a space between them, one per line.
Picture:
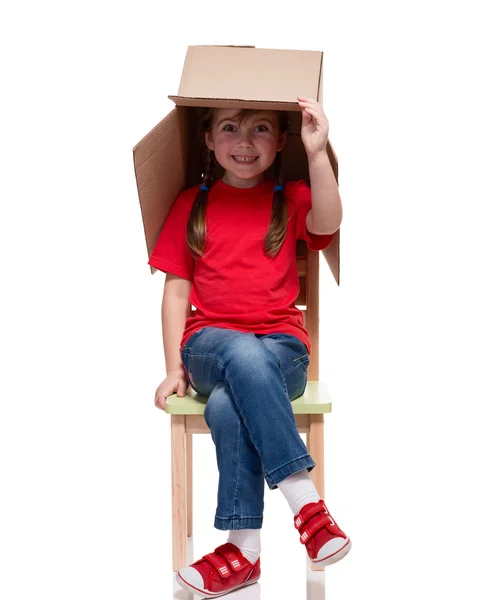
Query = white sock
x=299 y=489
x=248 y=542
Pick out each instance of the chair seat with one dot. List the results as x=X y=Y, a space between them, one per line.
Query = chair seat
x=315 y=400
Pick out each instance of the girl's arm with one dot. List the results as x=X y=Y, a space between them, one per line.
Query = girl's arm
x=326 y=211
x=174 y=313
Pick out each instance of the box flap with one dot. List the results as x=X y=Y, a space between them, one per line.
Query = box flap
x=160 y=165
x=331 y=253
x=249 y=77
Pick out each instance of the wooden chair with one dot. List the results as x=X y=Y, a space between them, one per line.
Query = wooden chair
x=309 y=409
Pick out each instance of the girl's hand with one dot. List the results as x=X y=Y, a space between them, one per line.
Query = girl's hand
x=314 y=127
x=175 y=381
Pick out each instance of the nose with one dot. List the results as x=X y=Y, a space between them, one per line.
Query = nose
x=245 y=139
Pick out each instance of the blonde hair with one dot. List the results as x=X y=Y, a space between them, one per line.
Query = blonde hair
x=196 y=226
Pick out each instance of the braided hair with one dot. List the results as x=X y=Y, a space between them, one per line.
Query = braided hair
x=196 y=226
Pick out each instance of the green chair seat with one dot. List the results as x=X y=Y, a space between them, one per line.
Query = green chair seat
x=315 y=401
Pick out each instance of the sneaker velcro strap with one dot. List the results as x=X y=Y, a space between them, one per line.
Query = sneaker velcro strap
x=312 y=528
x=235 y=563
x=304 y=517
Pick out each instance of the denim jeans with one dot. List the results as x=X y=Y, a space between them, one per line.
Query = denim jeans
x=250 y=380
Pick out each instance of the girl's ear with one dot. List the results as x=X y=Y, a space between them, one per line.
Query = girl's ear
x=282 y=141
x=209 y=141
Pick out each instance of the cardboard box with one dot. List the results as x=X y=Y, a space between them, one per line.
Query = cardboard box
x=167 y=159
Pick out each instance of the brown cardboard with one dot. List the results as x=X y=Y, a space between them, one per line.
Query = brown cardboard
x=252 y=77
x=166 y=159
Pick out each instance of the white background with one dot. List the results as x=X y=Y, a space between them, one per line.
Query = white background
x=84 y=454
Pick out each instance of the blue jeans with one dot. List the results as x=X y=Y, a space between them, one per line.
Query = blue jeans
x=250 y=380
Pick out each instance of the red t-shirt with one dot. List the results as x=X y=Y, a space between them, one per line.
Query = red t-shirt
x=235 y=285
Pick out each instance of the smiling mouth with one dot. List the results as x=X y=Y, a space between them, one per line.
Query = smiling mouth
x=245 y=160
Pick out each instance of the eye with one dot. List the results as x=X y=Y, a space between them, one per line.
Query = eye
x=262 y=127
x=225 y=128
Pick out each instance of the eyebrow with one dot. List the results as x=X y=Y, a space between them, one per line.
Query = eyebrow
x=257 y=120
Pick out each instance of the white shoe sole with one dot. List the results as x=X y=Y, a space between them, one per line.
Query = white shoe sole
x=330 y=560
x=206 y=594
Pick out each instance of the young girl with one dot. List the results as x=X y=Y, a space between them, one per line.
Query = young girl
x=228 y=247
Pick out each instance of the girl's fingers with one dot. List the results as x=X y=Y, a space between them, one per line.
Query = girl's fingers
x=306 y=119
x=312 y=104
x=313 y=110
x=302 y=100
x=315 y=106
x=313 y=113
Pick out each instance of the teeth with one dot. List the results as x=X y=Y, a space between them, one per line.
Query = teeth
x=247 y=159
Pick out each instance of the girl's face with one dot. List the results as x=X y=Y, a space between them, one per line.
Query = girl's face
x=247 y=149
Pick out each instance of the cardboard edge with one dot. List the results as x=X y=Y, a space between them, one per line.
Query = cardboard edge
x=320 y=82
x=219 y=46
x=332 y=252
x=235 y=103
x=135 y=149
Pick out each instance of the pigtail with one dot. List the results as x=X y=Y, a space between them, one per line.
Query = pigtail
x=276 y=232
x=196 y=226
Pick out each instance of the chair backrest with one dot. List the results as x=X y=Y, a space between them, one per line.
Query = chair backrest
x=308 y=300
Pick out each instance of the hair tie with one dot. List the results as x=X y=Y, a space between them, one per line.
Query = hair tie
x=278 y=188
x=204 y=187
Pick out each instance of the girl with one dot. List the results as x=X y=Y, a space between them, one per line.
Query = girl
x=228 y=248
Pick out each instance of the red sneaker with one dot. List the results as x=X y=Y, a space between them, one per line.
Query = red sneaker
x=325 y=542
x=220 y=572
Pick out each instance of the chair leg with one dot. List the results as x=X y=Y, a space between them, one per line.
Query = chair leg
x=189 y=438
x=178 y=489
x=316 y=445
x=316 y=449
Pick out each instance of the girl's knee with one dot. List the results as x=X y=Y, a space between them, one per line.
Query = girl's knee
x=219 y=408
x=248 y=354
